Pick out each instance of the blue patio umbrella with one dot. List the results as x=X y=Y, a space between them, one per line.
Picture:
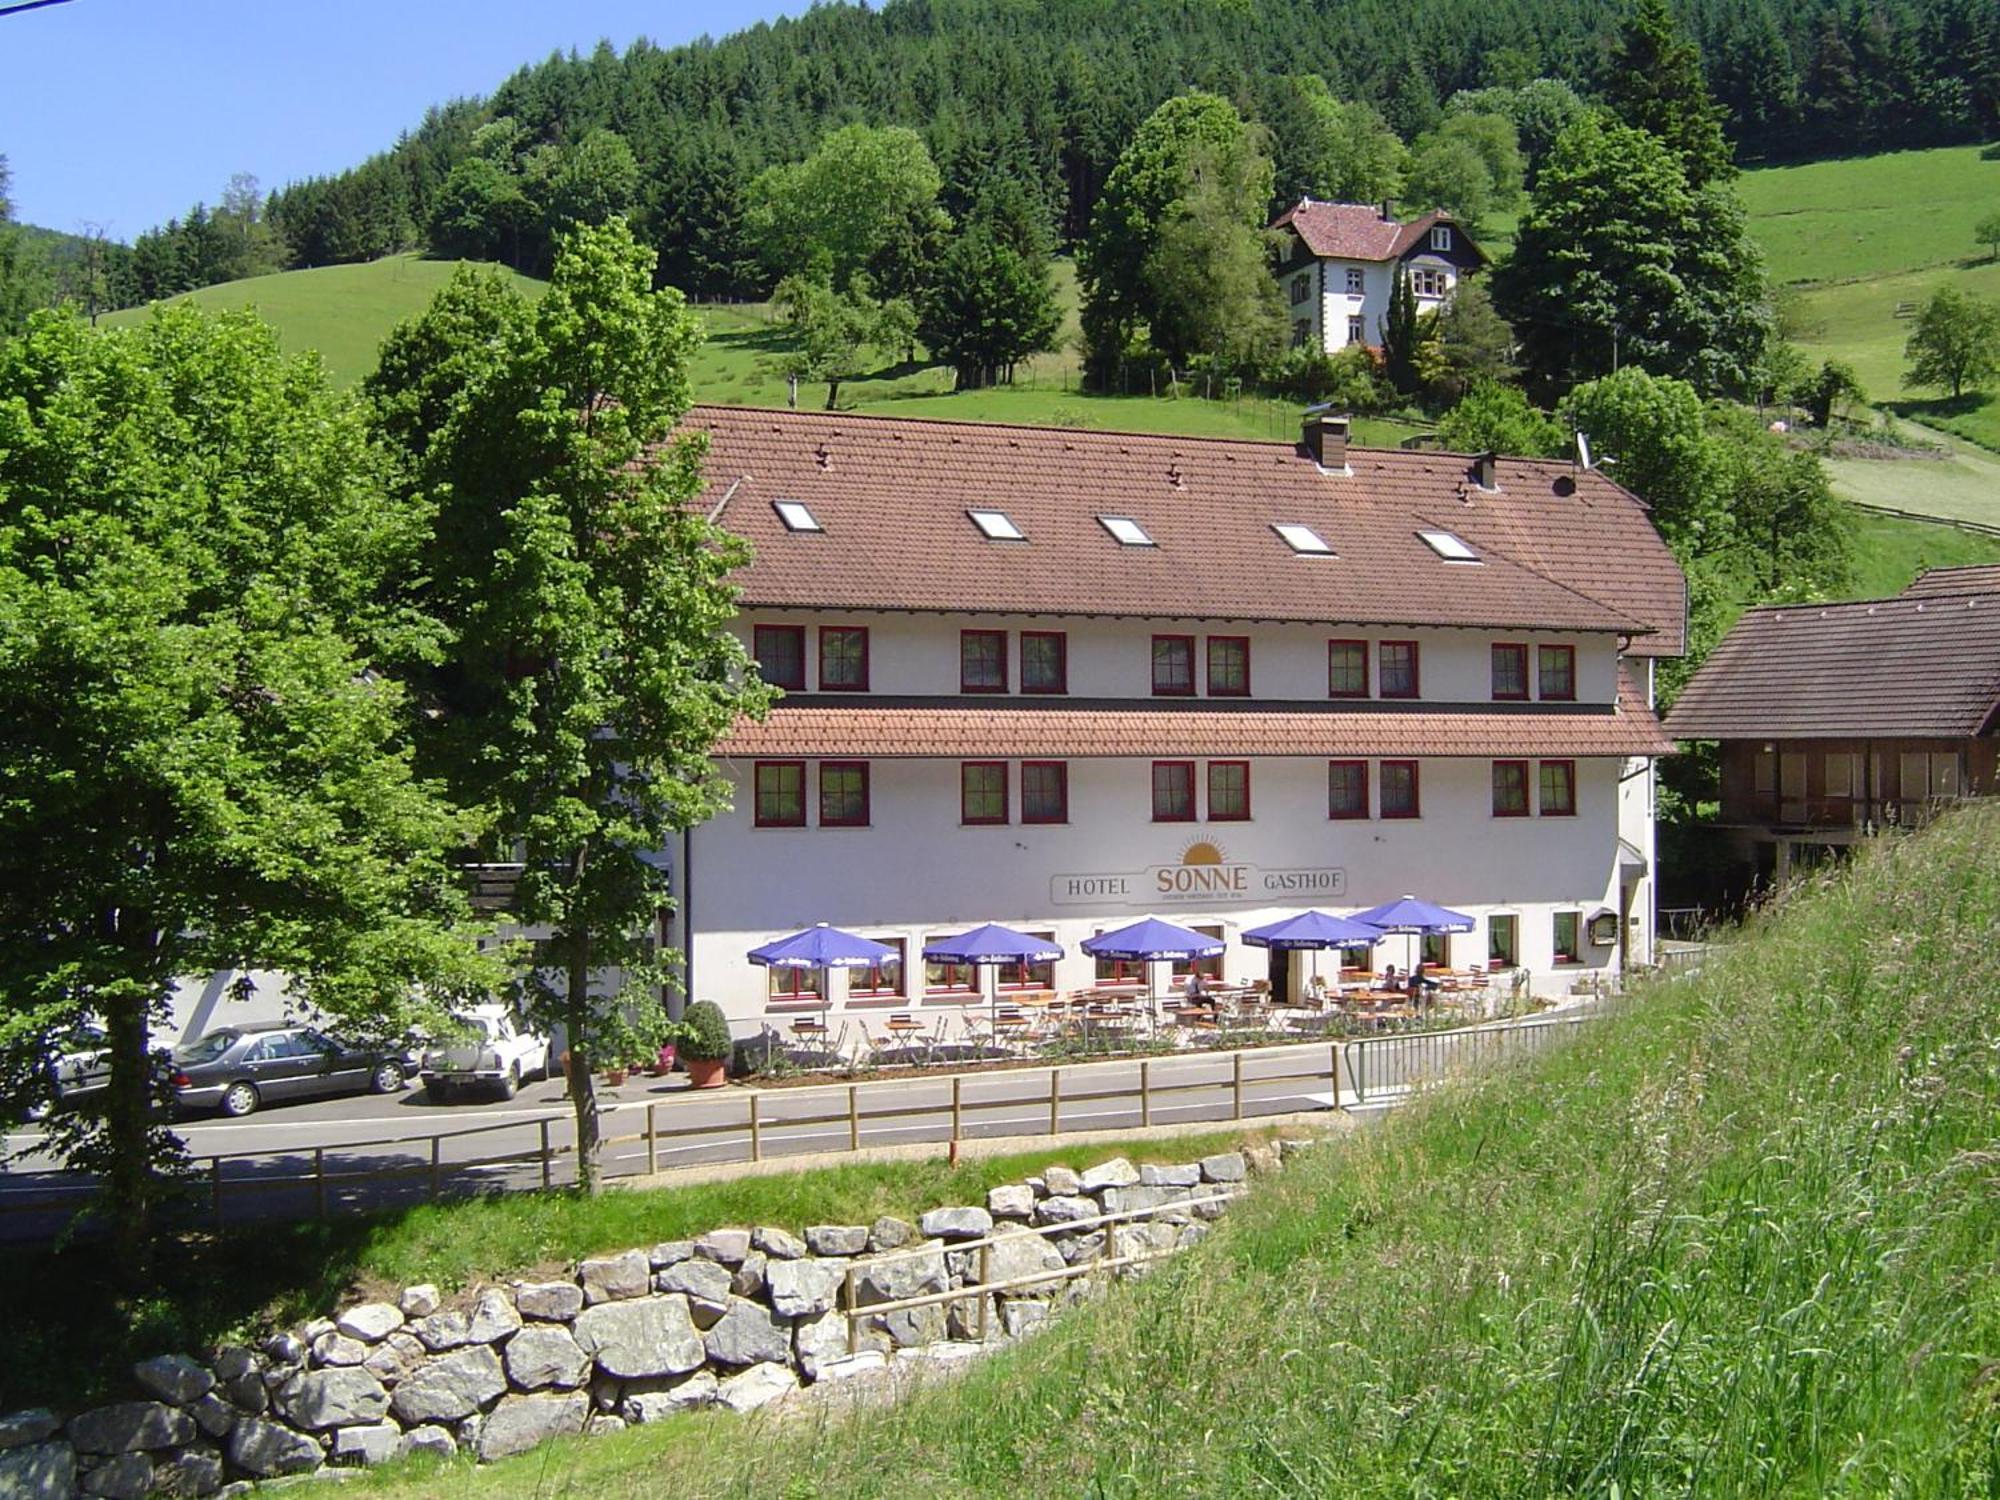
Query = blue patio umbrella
x=1152 y=939
x=988 y=947
x=1406 y=914
x=1314 y=930
x=822 y=947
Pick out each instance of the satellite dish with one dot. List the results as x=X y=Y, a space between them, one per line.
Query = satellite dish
x=1583 y=449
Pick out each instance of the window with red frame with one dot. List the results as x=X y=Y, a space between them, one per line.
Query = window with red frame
x=982 y=661
x=795 y=984
x=1173 y=666
x=1510 y=673
x=843 y=794
x=1399 y=789
x=1120 y=970
x=1558 y=788
x=1558 y=673
x=1027 y=976
x=1044 y=661
x=883 y=979
x=843 y=659
x=1173 y=791
x=1347 y=789
x=1044 y=791
x=1208 y=968
x=780 y=793
x=948 y=978
x=982 y=791
x=1396 y=669
x=1229 y=666
x=780 y=651
x=1347 y=669
x=1510 y=789
x=1228 y=791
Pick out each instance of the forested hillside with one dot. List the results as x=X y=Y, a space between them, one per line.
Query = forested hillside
x=1048 y=92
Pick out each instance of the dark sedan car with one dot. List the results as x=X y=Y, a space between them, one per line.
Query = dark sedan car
x=237 y=1069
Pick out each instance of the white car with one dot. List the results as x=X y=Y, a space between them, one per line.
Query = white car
x=498 y=1054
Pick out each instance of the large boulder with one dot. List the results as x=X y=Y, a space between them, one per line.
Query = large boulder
x=546 y=1355
x=213 y=1415
x=616 y=1278
x=443 y=1330
x=652 y=1401
x=131 y=1427
x=393 y=1358
x=1014 y=1255
x=173 y=1377
x=371 y=1322
x=320 y=1399
x=266 y=1449
x=1061 y=1181
x=451 y=1388
x=38 y=1471
x=336 y=1348
x=1013 y=1200
x=893 y=1278
x=891 y=1234
x=19 y=1428
x=374 y=1444
x=434 y=1440
x=670 y=1253
x=804 y=1288
x=749 y=1333
x=1065 y=1208
x=778 y=1244
x=1228 y=1166
x=632 y=1339
x=818 y=1342
x=725 y=1247
x=522 y=1422
x=699 y=1280
x=956 y=1223
x=1185 y=1175
x=748 y=1280
x=128 y=1476
x=757 y=1386
x=493 y=1317
x=194 y=1473
x=549 y=1301
x=1118 y=1172
x=419 y=1301
x=837 y=1239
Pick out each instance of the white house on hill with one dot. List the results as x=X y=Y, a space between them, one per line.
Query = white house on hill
x=1340 y=263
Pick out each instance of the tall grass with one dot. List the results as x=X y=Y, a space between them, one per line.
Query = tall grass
x=1742 y=1239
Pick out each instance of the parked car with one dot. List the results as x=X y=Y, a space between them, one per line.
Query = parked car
x=237 y=1069
x=497 y=1053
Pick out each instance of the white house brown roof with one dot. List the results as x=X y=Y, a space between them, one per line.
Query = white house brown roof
x=1920 y=667
x=1560 y=549
x=1357 y=231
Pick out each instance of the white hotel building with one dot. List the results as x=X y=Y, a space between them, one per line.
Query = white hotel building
x=1065 y=679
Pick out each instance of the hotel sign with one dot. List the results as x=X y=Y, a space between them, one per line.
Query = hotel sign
x=1204 y=876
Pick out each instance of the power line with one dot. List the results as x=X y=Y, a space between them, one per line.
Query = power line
x=17 y=6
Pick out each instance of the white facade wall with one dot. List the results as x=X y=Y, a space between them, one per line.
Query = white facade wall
x=917 y=873
x=1333 y=305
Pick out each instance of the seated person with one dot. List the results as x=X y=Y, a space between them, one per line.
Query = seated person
x=1196 y=990
x=1419 y=986
x=1390 y=979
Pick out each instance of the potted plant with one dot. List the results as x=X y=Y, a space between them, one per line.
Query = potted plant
x=704 y=1044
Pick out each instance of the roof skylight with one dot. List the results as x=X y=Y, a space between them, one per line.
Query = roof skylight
x=1303 y=539
x=795 y=515
x=1449 y=547
x=1126 y=531
x=995 y=526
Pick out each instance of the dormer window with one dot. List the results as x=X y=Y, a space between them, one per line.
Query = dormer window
x=1441 y=237
x=795 y=515
x=995 y=526
x=1451 y=548
x=1303 y=540
x=1126 y=531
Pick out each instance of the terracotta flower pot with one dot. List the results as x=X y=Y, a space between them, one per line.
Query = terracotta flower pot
x=614 y=1076
x=706 y=1072
x=664 y=1063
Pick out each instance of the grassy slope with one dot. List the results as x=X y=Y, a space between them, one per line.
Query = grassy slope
x=1867 y=234
x=76 y=1349
x=342 y=311
x=1743 y=1239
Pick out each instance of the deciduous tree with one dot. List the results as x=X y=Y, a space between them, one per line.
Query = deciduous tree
x=1496 y=418
x=862 y=195
x=588 y=673
x=1987 y=233
x=204 y=757
x=1955 y=342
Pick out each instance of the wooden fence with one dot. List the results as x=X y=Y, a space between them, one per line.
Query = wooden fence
x=760 y=1124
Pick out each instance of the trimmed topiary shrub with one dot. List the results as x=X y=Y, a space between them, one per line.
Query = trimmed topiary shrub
x=704 y=1032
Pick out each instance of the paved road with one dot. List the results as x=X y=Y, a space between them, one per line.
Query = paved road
x=374 y=1151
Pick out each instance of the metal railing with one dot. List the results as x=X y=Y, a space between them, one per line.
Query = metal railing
x=760 y=1124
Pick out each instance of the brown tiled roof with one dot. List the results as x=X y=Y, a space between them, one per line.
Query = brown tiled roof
x=1978 y=578
x=882 y=728
x=1916 y=667
x=1562 y=549
x=1357 y=231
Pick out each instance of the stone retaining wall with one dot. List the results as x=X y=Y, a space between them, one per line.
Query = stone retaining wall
x=737 y=1318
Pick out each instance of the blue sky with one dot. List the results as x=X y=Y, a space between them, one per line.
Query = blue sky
x=126 y=112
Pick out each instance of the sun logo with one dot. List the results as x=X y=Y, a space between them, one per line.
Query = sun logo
x=1203 y=852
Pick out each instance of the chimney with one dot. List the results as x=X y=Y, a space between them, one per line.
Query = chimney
x=1485 y=472
x=1326 y=438
x=1388 y=210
